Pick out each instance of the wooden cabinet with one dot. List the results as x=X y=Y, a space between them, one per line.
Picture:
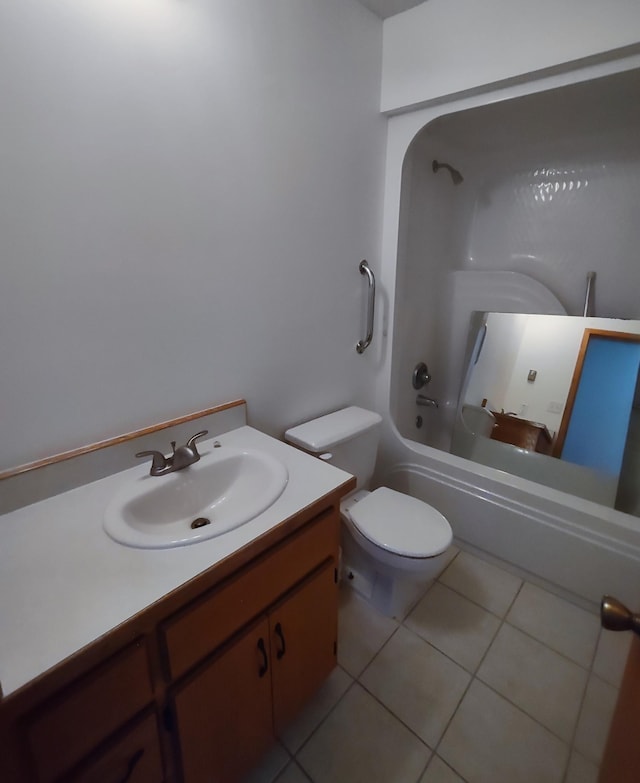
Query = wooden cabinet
x=205 y=624
x=134 y=756
x=223 y=714
x=197 y=687
x=63 y=731
x=230 y=711
x=303 y=636
x=523 y=433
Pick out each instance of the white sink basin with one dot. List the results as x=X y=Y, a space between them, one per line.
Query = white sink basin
x=225 y=489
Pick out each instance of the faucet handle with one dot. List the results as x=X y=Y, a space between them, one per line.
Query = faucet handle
x=159 y=460
x=191 y=443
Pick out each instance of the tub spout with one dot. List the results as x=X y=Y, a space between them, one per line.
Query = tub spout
x=427 y=402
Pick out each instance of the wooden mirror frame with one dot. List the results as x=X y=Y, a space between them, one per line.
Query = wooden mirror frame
x=575 y=380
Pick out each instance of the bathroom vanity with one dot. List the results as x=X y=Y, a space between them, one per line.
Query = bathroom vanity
x=202 y=671
x=524 y=434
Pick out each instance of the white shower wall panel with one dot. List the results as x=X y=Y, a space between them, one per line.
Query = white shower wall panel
x=561 y=220
x=428 y=240
x=550 y=192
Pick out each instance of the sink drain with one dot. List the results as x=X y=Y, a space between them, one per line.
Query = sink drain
x=200 y=522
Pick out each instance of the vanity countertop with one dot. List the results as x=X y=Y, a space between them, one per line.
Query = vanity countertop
x=64 y=583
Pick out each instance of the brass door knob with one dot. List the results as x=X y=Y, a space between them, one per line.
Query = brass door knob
x=614 y=616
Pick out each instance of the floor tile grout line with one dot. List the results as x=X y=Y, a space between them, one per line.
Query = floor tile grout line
x=586 y=605
x=583 y=699
x=438 y=650
x=378 y=651
x=425 y=768
x=588 y=669
x=283 y=771
x=442 y=652
x=476 y=603
x=396 y=717
x=524 y=712
x=375 y=697
x=450 y=721
x=473 y=675
x=322 y=721
x=518 y=707
x=563 y=655
x=453 y=769
x=471 y=601
x=505 y=618
x=400 y=624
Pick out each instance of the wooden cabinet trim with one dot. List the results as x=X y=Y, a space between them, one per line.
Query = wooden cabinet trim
x=56 y=744
x=134 y=754
x=33 y=719
x=227 y=695
x=117 y=440
x=304 y=634
x=203 y=626
x=210 y=703
x=146 y=622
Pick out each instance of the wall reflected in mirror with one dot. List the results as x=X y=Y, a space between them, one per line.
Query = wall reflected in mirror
x=554 y=399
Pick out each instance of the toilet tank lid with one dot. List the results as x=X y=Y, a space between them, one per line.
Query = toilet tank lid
x=328 y=431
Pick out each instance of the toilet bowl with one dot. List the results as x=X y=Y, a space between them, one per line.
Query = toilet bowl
x=393 y=545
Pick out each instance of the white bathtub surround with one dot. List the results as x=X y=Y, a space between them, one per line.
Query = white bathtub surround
x=578 y=545
x=511 y=145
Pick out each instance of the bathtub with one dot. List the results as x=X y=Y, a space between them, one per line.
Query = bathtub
x=550 y=177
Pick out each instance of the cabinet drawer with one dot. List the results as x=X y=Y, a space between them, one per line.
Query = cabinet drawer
x=135 y=757
x=197 y=631
x=72 y=724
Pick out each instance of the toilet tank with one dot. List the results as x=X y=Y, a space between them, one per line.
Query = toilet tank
x=349 y=435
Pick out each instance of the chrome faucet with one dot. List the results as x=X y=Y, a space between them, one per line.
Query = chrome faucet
x=181 y=458
x=427 y=402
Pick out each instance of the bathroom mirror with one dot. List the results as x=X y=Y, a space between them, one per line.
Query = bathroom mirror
x=554 y=399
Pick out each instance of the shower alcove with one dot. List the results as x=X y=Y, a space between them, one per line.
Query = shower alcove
x=543 y=188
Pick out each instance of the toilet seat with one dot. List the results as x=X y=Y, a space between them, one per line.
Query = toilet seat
x=400 y=524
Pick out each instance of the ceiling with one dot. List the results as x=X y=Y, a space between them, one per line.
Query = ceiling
x=385 y=8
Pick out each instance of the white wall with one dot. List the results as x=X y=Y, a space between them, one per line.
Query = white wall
x=186 y=192
x=550 y=345
x=443 y=47
x=493 y=372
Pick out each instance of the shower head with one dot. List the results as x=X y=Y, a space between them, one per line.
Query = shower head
x=456 y=176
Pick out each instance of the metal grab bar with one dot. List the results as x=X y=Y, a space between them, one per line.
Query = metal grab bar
x=365 y=270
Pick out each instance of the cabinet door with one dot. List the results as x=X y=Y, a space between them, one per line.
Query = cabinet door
x=304 y=632
x=223 y=713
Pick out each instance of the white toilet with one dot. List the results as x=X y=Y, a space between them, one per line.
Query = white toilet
x=392 y=543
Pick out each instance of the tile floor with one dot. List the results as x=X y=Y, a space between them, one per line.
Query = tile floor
x=489 y=679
